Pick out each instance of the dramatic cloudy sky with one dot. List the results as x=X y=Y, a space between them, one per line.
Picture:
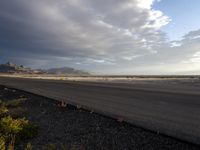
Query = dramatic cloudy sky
x=103 y=36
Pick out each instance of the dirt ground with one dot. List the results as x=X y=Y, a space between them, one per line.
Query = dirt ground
x=80 y=129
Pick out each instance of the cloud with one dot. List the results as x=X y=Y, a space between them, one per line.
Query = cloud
x=90 y=34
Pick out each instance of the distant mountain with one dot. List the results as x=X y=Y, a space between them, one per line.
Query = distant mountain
x=13 y=68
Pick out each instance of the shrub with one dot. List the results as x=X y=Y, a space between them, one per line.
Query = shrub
x=2 y=143
x=12 y=128
x=9 y=128
x=3 y=111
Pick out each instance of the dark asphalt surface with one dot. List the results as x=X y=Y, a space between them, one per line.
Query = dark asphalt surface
x=173 y=110
x=70 y=128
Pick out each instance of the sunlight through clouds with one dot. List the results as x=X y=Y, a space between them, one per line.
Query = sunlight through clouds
x=99 y=33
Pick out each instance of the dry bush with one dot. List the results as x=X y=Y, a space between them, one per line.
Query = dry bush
x=12 y=129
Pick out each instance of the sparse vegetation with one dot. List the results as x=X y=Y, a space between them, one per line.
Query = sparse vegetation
x=3 y=109
x=2 y=143
x=12 y=128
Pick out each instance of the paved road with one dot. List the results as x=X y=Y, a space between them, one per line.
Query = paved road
x=170 y=109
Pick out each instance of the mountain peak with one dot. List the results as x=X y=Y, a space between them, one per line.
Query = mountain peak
x=10 y=64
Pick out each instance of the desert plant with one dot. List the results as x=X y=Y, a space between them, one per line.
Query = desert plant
x=15 y=129
x=9 y=128
x=3 y=111
x=12 y=126
x=2 y=143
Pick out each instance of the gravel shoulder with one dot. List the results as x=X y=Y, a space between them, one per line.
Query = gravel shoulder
x=83 y=130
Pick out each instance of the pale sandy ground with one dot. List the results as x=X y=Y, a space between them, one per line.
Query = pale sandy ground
x=178 y=83
x=115 y=79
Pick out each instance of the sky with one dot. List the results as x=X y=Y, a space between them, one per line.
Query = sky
x=102 y=36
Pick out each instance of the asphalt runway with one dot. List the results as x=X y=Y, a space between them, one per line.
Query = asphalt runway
x=171 y=109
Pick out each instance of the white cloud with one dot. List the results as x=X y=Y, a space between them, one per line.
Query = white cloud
x=130 y=58
x=145 y=3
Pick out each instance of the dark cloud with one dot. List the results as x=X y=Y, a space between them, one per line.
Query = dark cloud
x=94 y=35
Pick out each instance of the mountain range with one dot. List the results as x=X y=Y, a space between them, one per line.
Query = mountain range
x=20 y=69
